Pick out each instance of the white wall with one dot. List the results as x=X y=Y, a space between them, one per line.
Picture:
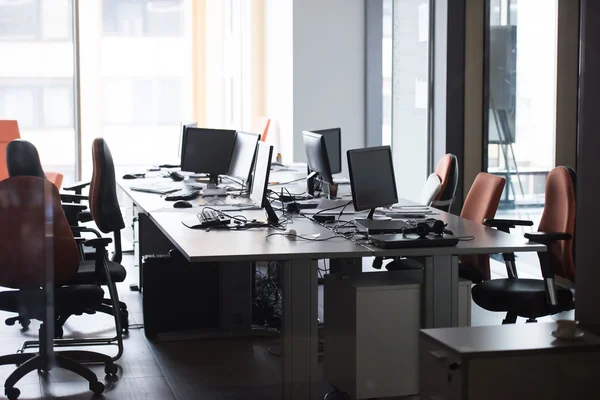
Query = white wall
x=315 y=70
x=329 y=71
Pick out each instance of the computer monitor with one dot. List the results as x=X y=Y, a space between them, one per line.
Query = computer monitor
x=333 y=143
x=262 y=169
x=242 y=157
x=317 y=157
x=184 y=126
x=372 y=178
x=207 y=151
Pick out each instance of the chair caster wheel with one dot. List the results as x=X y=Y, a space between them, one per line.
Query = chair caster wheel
x=97 y=387
x=336 y=395
x=111 y=369
x=12 y=393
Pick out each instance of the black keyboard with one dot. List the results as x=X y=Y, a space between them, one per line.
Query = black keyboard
x=210 y=217
x=183 y=194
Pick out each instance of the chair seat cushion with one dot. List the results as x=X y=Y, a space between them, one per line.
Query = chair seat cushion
x=524 y=297
x=87 y=272
x=73 y=299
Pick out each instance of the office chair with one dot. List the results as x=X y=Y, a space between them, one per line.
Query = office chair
x=447 y=172
x=9 y=131
x=38 y=258
x=534 y=298
x=23 y=160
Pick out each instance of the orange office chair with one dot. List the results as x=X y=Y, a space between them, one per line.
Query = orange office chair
x=447 y=172
x=481 y=204
x=534 y=298
x=36 y=237
x=9 y=131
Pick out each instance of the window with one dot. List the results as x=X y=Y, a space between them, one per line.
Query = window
x=410 y=95
x=142 y=17
x=36 y=78
x=142 y=101
x=35 y=20
x=36 y=104
x=521 y=123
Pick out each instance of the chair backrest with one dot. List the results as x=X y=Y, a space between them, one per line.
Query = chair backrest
x=9 y=131
x=447 y=172
x=481 y=204
x=104 y=204
x=30 y=208
x=559 y=216
x=430 y=190
x=22 y=159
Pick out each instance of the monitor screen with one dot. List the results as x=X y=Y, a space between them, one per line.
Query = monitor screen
x=184 y=126
x=242 y=157
x=316 y=155
x=333 y=143
x=372 y=177
x=207 y=150
x=262 y=168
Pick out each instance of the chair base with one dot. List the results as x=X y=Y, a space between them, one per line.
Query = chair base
x=29 y=362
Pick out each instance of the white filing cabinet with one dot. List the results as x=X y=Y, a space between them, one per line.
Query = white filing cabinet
x=372 y=325
x=519 y=361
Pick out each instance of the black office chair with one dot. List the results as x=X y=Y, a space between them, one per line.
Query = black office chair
x=534 y=298
x=23 y=160
x=37 y=247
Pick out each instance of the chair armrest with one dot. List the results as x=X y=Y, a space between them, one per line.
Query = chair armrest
x=77 y=186
x=505 y=225
x=80 y=229
x=98 y=242
x=547 y=237
x=72 y=198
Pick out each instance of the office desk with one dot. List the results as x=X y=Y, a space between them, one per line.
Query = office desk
x=161 y=228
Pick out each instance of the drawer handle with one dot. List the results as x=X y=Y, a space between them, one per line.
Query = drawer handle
x=436 y=397
x=439 y=354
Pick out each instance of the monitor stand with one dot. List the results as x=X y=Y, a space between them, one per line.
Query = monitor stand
x=272 y=218
x=378 y=226
x=212 y=188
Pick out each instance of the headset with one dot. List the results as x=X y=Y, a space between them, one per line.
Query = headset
x=423 y=229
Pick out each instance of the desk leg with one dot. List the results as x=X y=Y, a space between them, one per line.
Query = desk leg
x=440 y=291
x=300 y=301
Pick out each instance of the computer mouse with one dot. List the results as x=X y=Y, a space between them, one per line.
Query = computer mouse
x=182 y=204
x=129 y=176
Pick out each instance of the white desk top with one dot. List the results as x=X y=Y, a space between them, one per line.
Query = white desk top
x=199 y=245
x=253 y=245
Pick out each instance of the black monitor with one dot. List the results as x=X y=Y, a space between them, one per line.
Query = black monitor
x=262 y=169
x=242 y=157
x=207 y=151
x=317 y=158
x=372 y=178
x=333 y=143
x=184 y=126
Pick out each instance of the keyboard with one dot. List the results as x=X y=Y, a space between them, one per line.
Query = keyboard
x=156 y=187
x=206 y=219
x=183 y=194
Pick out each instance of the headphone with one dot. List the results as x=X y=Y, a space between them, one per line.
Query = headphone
x=423 y=229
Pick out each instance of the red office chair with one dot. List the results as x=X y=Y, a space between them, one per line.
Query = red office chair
x=534 y=298
x=447 y=172
x=481 y=203
x=37 y=247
